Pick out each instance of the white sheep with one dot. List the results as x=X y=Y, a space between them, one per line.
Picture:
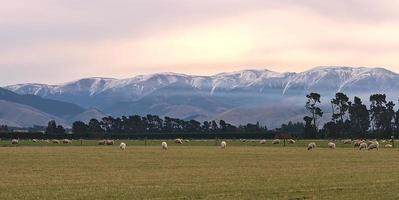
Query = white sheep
x=109 y=142
x=348 y=141
x=164 y=145
x=101 y=142
x=35 y=140
x=15 y=141
x=187 y=141
x=331 y=145
x=66 y=141
x=55 y=141
x=291 y=141
x=374 y=145
x=179 y=141
x=223 y=145
x=262 y=141
x=122 y=146
x=311 y=146
x=276 y=141
x=388 y=146
x=362 y=145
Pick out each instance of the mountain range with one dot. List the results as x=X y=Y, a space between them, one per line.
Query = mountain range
x=240 y=97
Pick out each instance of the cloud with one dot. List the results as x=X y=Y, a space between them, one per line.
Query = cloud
x=123 y=38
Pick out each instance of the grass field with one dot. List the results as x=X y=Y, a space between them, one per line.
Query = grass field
x=196 y=170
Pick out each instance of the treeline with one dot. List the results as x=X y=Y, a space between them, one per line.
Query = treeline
x=349 y=119
x=352 y=119
x=153 y=124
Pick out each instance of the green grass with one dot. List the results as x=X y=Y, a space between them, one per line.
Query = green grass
x=196 y=170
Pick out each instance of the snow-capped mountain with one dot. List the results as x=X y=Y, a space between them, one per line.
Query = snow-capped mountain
x=203 y=97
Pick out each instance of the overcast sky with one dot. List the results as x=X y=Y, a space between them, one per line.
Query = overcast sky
x=53 y=41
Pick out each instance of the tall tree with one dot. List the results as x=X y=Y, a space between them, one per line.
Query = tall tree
x=312 y=105
x=377 y=108
x=79 y=127
x=359 y=118
x=51 y=127
x=340 y=106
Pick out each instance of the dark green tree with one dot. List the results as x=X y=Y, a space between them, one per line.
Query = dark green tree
x=80 y=128
x=359 y=118
x=312 y=105
x=51 y=127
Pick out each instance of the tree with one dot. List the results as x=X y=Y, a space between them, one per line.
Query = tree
x=359 y=118
x=377 y=107
x=60 y=130
x=309 y=130
x=340 y=106
x=312 y=105
x=79 y=127
x=51 y=127
x=94 y=126
x=214 y=125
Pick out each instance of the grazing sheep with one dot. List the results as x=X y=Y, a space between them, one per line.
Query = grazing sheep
x=55 y=141
x=388 y=146
x=383 y=141
x=66 y=141
x=291 y=141
x=276 y=141
x=362 y=145
x=311 y=146
x=109 y=142
x=122 y=146
x=357 y=143
x=179 y=141
x=187 y=141
x=164 y=146
x=223 y=145
x=331 y=145
x=47 y=141
x=348 y=141
x=15 y=141
x=262 y=141
x=101 y=142
x=35 y=140
x=373 y=146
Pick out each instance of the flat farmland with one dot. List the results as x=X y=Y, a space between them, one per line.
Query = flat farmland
x=196 y=170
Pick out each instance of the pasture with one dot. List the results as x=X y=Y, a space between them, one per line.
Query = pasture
x=196 y=170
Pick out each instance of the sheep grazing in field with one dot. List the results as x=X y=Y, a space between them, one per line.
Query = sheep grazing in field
x=311 y=146
x=122 y=146
x=101 y=142
x=47 y=141
x=362 y=145
x=388 y=146
x=373 y=146
x=179 y=141
x=383 y=141
x=35 y=140
x=331 y=145
x=55 y=141
x=66 y=141
x=348 y=141
x=164 y=146
x=357 y=143
x=262 y=141
x=276 y=141
x=291 y=141
x=187 y=141
x=109 y=142
x=223 y=145
x=14 y=141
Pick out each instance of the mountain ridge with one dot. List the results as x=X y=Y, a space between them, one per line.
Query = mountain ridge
x=183 y=96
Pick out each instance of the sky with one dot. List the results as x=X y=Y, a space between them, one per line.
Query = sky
x=54 y=41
